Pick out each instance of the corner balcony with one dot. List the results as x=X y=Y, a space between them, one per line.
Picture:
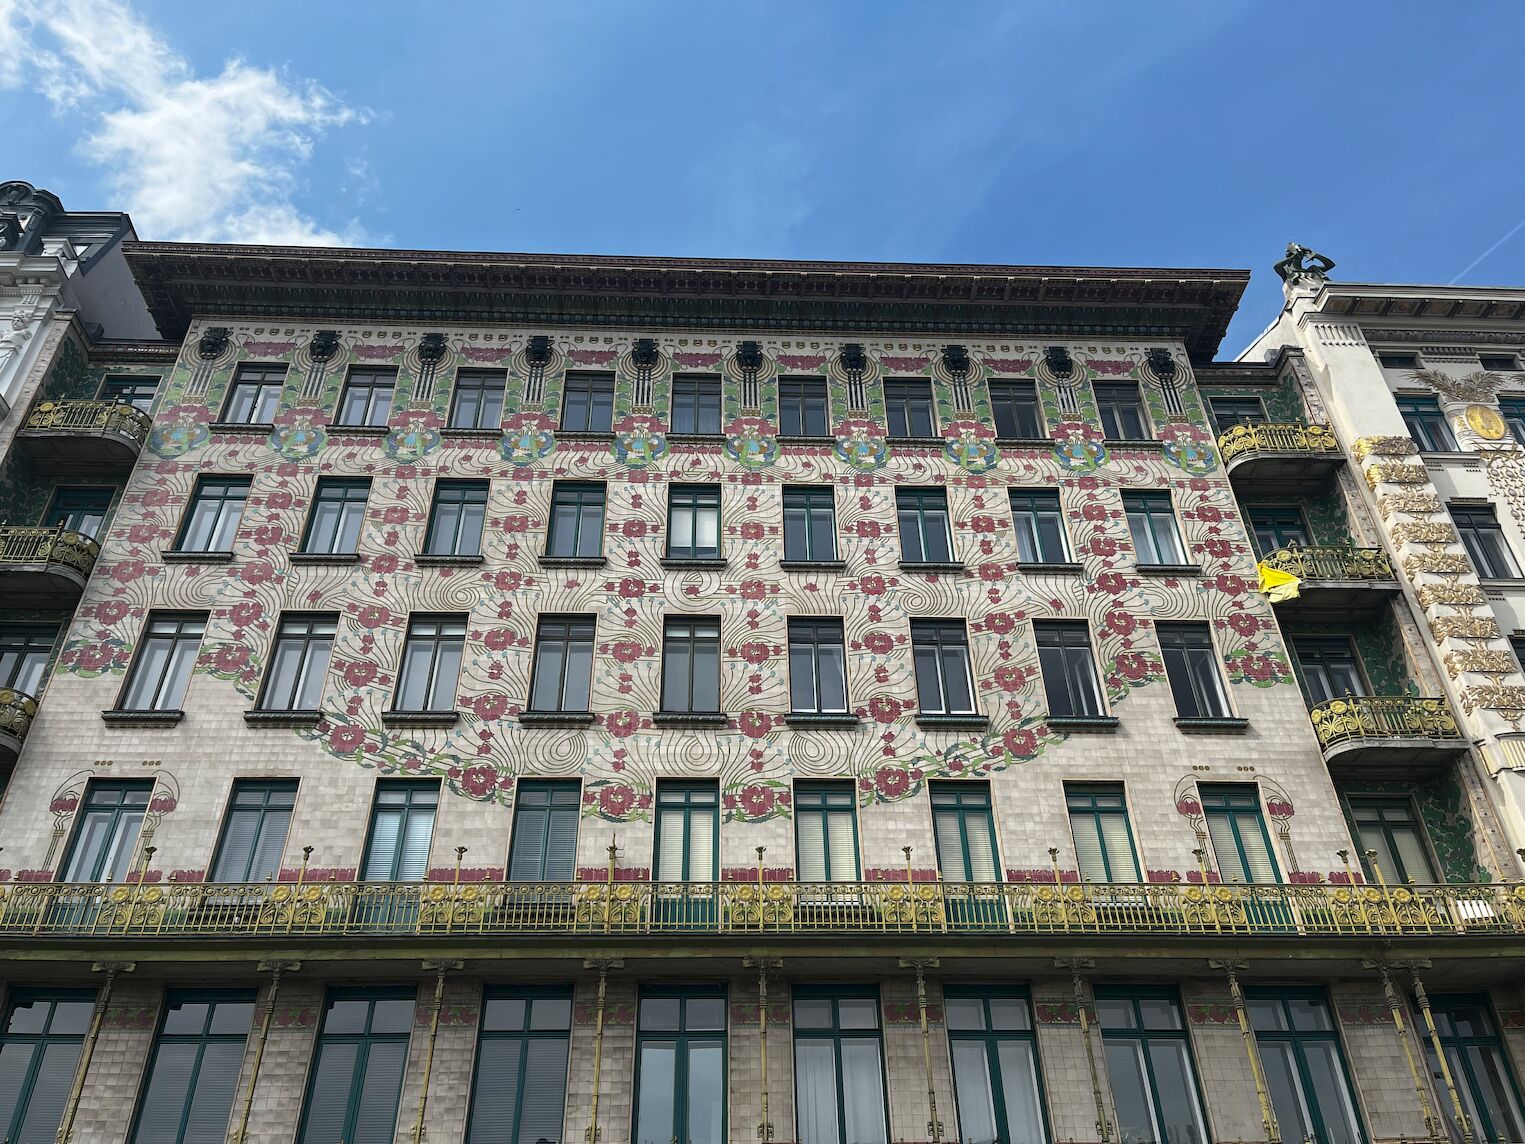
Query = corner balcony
x=44 y=567
x=1386 y=736
x=1338 y=581
x=1290 y=459
x=17 y=710
x=83 y=438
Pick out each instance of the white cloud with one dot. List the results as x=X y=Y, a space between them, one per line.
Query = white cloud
x=191 y=158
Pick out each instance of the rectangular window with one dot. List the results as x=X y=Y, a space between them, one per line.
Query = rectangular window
x=1275 y=527
x=1427 y=425
x=1518 y=644
x=1231 y=411
x=137 y=392
x=802 y=407
x=1122 y=412
x=1479 y=1065
x=299 y=662
x=563 y=672
x=431 y=664
x=1104 y=850
x=1513 y=410
x=105 y=844
x=817 y=666
x=964 y=829
x=693 y=522
x=193 y=1070
x=1148 y=1053
x=338 y=510
x=695 y=404
x=691 y=664
x=212 y=517
x=1039 y=523
x=357 y=1067
x=1391 y=359
x=1304 y=1066
x=79 y=510
x=944 y=678
x=680 y=1073
x=477 y=402
x=166 y=653
x=367 y=397
x=1152 y=523
x=1014 y=404
x=519 y=1088
x=925 y=536
x=402 y=826
x=1328 y=667
x=40 y=1044
x=688 y=831
x=1069 y=669
x=1191 y=665
x=1238 y=832
x=24 y=653
x=810 y=523
x=254 y=395
x=587 y=403
x=825 y=832
x=254 y=832
x=1499 y=363
x=577 y=521
x=839 y=1066
x=1388 y=826
x=996 y=1081
x=545 y=832
x=456 y=518
x=1484 y=541
x=908 y=408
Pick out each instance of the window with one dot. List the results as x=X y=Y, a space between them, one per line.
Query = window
x=1238 y=832
x=563 y=674
x=923 y=520
x=1231 y=411
x=43 y=1035
x=965 y=832
x=1304 y=1067
x=79 y=510
x=477 y=402
x=254 y=832
x=1277 y=526
x=691 y=665
x=817 y=658
x=1328 y=667
x=211 y=520
x=577 y=521
x=810 y=523
x=695 y=404
x=1154 y=1085
x=1122 y=413
x=254 y=395
x=1039 y=522
x=1388 y=825
x=802 y=407
x=680 y=1075
x=338 y=509
x=1484 y=541
x=825 y=832
x=1394 y=360
x=367 y=399
x=106 y=830
x=688 y=832
x=1152 y=522
x=519 y=1088
x=545 y=832
x=1518 y=644
x=1513 y=410
x=1069 y=669
x=908 y=407
x=944 y=680
x=995 y=1064
x=357 y=1067
x=1427 y=425
x=431 y=663
x=167 y=652
x=1104 y=849
x=193 y=1072
x=24 y=653
x=1014 y=404
x=1191 y=665
x=456 y=518
x=137 y=392
x=838 y=1066
x=402 y=826
x=587 y=403
x=693 y=528
x=1479 y=1066
x=299 y=663
x=1499 y=363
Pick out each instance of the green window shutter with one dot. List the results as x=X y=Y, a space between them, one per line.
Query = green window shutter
x=1118 y=842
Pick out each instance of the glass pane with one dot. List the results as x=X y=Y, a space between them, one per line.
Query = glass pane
x=50 y=1092
x=1495 y=1091
x=704 y=1014
x=964 y=1013
x=1177 y=1092
x=1130 y=1091
x=15 y=1058
x=376 y=1117
x=1009 y=1013
x=863 y=1092
x=1019 y=1085
x=328 y=1099
x=164 y=1101
x=212 y=1102
x=815 y=1088
x=1280 y=1064
x=1159 y=1013
x=655 y=1114
x=858 y=1013
x=972 y=1089
x=1331 y=1092
x=660 y=1014
x=545 y=1091
x=706 y=1092
x=812 y=1013
x=551 y=1013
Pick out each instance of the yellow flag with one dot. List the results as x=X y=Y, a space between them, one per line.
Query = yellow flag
x=1278 y=585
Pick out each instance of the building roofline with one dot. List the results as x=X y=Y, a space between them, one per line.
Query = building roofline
x=1406 y=302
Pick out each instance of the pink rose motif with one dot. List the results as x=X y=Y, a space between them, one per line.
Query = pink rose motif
x=1209 y=513
x=991 y=572
x=868 y=529
x=1010 y=677
x=630 y=588
x=278 y=500
x=143 y=533
x=1021 y=742
x=1001 y=623
x=394 y=514
x=892 y=782
x=507 y=581
x=1133 y=666
x=879 y=643
x=360 y=672
x=127 y=571
x=884 y=709
x=625 y=651
x=622 y=724
x=162 y=804
x=347 y=739
x=1218 y=549
x=1121 y=622
x=1278 y=808
x=753 y=589
x=110 y=611
x=1256 y=667
x=93 y=657
x=757 y=800
x=1093 y=511
x=982 y=523
x=230 y=658
x=155 y=498
x=755 y=724
x=634 y=529
x=616 y=801
x=490 y=707
x=1244 y=623
x=1103 y=546
x=258 y=571
x=64 y=805
x=372 y=616
x=871 y=585
x=517 y=522
x=479 y=781
x=1112 y=583
x=245 y=614
x=755 y=652
x=497 y=639
x=270 y=534
x=384 y=565
x=751 y=530
x=1189 y=807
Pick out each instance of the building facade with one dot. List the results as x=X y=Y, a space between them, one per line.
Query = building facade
x=532 y=698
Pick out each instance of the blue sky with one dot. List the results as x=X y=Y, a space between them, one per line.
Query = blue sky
x=1157 y=134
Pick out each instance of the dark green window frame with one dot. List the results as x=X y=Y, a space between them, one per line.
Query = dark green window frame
x=944 y=673
x=690 y=662
x=1139 y=1034
x=926 y=529
x=457 y=518
x=692 y=512
x=1191 y=666
x=1328 y=666
x=1038 y=521
x=962 y=809
x=696 y=404
x=223 y=1024
x=1230 y=411
x=577 y=520
x=834 y=1032
x=213 y=515
x=908 y=409
x=1385 y=815
x=407 y=800
x=1121 y=409
x=1015 y=409
x=260 y=809
x=544 y=847
x=365 y=1042
x=817 y=666
x=304 y=643
x=810 y=523
x=138 y=392
x=822 y=808
x=255 y=395
x=587 y=403
x=1483 y=538
x=1463 y=1052
x=1101 y=809
x=683 y=1040
x=1276 y=526
x=1153 y=526
x=1234 y=809
x=367 y=397
x=1513 y=410
x=25 y=651
x=997 y=1027
x=53 y=1037
x=561 y=672
x=532 y=1017
x=679 y=805
x=477 y=401
x=1427 y=424
x=336 y=515
x=121 y=804
x=804 y=409
x=1068 y=666
x=1275 y=1022
x=80 y=509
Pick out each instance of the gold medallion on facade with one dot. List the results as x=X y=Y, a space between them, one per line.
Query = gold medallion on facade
x=1486 y=422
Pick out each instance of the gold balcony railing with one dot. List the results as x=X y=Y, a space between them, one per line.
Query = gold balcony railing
x=1331 y=562
x=92 y=416
x=21 y=545
x=17 y=710
x=710 y=909
x=1382 y=717
x=1294 y=437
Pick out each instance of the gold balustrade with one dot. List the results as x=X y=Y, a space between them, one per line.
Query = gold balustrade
x=17 y=710
x=23 y=545
x=1382 y=717
x=91 y=416
x=1293 y=437
x=1331 y=562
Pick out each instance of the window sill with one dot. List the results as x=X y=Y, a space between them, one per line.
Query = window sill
x=184 y=556
x=923 y=441
x=471 y=433
x=357 y=430
x=269 y=717
x=557 y=718
x=121 y=717
x=1169 y=569
x=967 y=719
x=821 y=719
x=680 y=562
x=1083 y=723
x=805 y=439
x=323 y=557
x=690 y=718
x=1024 y=442
x=585 y=435
x=1504 y=583
x=1133 y=443
x=446 y=560
x=696 y=438
x=573 y=562
x=813 y=565
x=420 y=718
x=1224 y=723
x=933 y=567
x=241 y=427
x=1044 y=568
x=1447 y=455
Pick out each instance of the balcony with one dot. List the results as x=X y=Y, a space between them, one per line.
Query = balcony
x=1338 y=581
x=83 y=438
x=1386 y=736
x=44 y=567
x=17 y=710
x=1291 y=459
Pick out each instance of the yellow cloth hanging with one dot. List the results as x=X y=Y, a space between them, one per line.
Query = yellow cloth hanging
x=1278 y=585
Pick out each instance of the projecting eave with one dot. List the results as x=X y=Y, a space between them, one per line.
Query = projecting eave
x=182 y=281
x=1387 y=303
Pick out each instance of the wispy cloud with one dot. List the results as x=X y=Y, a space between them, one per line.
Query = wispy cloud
x=208 y=158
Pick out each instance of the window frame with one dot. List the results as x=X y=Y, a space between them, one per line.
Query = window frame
x=24 y=641
x=1512 y=410
x=917 y=511
x=125 y=844
x=1062 y=630
x=681 y=1038
x=407 y=808
x=460 y=496
x=835 y=1034
x=687 y=808
x=260 y=377
x=1397 y=874
x=373 y=381
x=345 y=502
x=1297 y=1039
x=1030 y=511
x=565 y=639
x=1264 y=517
x=691 y=637
x=75 y=500
x=1211 y=692
x=586 y=385
x=814 y=501
x=938 y=633
x=899 y=395
x=1078 y=790
x=437 y=641
x=1501 y=362
x=550 y=788
x=1013 y=394
x=40 y=1042
x=1411 y=359
x=1322 y=646
x=1441 y=1005
x=696 y=499
x=813 y=801
x=1426 y=422
x=529 y=994
x=127 y=387
x=365 y=1040
x=482 y=384
x=1487 y=544
x=802 y=401
x=179 y=640
x=577 y=496
x=264 y=811
x=308 y=639
x=697 y=389
x=1145 y=509
x=991 y=1038
x=965 y=799
x=1222 y=424
x=816 y=632
x=1107 y=395
x=1141 y=1035
x=202 y=1040
x=1226 y=791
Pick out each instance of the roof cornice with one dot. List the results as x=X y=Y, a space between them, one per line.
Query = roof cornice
x=1379 y=302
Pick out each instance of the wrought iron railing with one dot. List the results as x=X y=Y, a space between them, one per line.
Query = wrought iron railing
x=1293 y=437
x=1332 y=562
x=22 y=545
x=106 y=416
x=17 y=710
x=633 y=909
x=1382 y=717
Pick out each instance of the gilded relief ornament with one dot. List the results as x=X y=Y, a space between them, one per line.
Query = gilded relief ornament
x=1481 y=661
x=1437 y=564
x=1486 y=422
x=1452 y=595
x=1465 y=628
x=1479 y=385
x=1423 y=532
x=1396 y=473
x=1409 y=504
x=1383 y=447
